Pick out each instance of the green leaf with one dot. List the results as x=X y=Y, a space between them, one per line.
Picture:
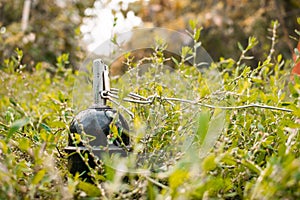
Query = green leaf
x=24 y=144
x=240 y=46
x=209 y=163
x=12 y=101
x=203 y=122
x=229 y=160
x=19 y=52
x=175 y=61
x=159 y=90
x=297 y=80
x=177 y=178
x=151 y=191
x=197 y=34
x=192 y=24
x=114 y=130
x=252 y=42
x=90 y=189
x=286 y=103
x=46 y=127
x=215 y=127
x=251 y=166
x=185 y=51
x=3 y=147
x=16 y=126
x=293 y=91
x=38 y=177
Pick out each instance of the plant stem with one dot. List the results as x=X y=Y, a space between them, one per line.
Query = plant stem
x=156 y=182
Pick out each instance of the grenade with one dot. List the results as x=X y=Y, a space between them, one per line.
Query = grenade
x=94 y=128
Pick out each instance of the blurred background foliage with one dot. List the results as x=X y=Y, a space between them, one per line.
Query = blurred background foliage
x=54 y=26
x=53 y=29
x=227 y=21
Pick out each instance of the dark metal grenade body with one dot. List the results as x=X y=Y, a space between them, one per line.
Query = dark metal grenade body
x=94 y=126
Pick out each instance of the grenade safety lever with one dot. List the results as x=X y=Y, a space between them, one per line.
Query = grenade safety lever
x=101 y=82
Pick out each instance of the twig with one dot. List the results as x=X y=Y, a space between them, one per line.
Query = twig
x=5 y=126
x=273 y=39
x=60 y=154
x=281 y=14
x=156 y=182
x=25 y=15
x=246 y=106
x=117 y=103
x=230 y=107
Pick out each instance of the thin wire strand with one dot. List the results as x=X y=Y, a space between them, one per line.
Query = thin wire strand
x=136 y=98
x=119 y=104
